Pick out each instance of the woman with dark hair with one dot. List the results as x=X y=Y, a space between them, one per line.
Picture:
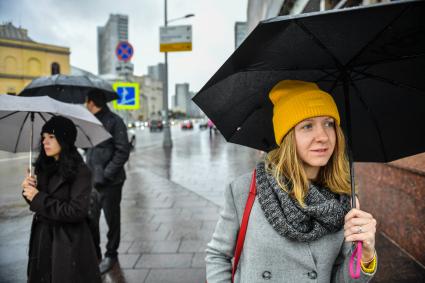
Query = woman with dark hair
x=61 y=248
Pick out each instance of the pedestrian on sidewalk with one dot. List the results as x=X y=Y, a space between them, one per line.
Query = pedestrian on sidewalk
x=61 y=247
x=211 y=126
x=106 y=161
x=301 y=224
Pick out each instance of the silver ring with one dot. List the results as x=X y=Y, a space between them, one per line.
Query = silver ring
x=359 y=230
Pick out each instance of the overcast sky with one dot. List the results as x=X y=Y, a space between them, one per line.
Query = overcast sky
x=73 y=23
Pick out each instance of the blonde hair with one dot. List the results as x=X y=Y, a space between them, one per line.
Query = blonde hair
x=287 y=168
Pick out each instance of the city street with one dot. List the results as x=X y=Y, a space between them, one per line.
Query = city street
x=304 y=77
x=170 y=206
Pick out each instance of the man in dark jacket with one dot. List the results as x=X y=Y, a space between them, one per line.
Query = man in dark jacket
x=106 y=161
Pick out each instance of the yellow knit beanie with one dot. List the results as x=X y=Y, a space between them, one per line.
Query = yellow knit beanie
x=294 y=101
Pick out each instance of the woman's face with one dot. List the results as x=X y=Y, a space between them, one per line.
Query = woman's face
x=51 y=145
x=315 y=140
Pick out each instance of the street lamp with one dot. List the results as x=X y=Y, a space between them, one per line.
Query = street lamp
x=167 y=142
x=181 y=18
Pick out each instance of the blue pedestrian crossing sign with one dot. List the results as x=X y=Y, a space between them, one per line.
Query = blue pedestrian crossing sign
x=128 y=96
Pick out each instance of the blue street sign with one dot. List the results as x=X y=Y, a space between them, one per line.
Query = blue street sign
x=128 y=96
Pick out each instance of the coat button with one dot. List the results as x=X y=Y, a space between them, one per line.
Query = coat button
x=267 y=275
x=312 y=274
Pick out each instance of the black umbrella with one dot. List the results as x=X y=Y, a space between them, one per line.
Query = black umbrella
x=370 y=59
x=65 y=88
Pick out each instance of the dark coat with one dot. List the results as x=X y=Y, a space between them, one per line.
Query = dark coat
x=107 y=159
x=61 y=246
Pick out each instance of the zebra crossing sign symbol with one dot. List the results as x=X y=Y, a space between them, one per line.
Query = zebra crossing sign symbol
x=128 y=96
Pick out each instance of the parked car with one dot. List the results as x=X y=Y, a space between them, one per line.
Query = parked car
x=187 y=125
x=155 y=125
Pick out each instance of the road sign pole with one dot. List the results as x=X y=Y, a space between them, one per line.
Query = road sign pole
x=167 y=142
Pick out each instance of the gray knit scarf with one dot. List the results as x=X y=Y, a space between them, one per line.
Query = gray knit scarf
x=323 y=213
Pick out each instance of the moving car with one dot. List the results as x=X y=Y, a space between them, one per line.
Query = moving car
x=155 y=125
x=187 y=125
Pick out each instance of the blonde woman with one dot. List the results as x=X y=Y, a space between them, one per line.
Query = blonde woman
x=301 y=225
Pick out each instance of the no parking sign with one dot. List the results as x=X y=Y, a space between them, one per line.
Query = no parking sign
x=124 y=51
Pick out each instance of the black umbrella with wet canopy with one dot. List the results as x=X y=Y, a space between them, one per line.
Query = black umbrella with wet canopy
x=68 y=88
x=370 y=59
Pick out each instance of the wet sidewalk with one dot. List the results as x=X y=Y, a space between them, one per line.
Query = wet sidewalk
x=164 y=231
x=170 y=206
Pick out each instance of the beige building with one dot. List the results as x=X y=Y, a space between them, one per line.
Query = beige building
x=22 y=59
x=150 y=98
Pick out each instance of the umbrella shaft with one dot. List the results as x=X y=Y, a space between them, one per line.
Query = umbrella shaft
x=353 y=187
x=345 y=81
x=31 y=139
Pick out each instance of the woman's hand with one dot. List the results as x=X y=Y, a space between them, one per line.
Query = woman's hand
x=29 y=186
x=361 y=226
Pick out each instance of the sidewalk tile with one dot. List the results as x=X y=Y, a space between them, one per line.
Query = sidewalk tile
x=164 y=261
x=187 y=275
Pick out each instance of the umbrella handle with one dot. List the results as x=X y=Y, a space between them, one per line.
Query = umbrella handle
x=355 y=259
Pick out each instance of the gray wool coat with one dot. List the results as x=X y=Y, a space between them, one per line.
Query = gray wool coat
x=267 y=256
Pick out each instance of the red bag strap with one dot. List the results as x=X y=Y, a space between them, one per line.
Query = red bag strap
x=244 y=224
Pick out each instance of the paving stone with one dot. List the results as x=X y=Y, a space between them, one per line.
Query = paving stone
x=135 y=275
x=190 y=203
x=124 y=245
x=182 y=224
x=164 y=261
x=205 y=216
x=125 y=276
x=128 y=260
x=209 y=225
x=169 y=246
x=192 y=246
x=186 y=275
x=198 y=260
x=147 y=235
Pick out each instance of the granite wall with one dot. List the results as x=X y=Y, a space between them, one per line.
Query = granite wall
x=395 y=194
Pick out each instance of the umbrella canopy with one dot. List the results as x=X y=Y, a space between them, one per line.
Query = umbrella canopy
x=72 y=89
x=370 y=59
x=20 y=116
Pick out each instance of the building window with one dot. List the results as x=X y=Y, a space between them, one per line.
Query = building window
x=56 y=69
x=34 y=67
x=10 y=65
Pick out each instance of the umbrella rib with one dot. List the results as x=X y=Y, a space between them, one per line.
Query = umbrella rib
x=392 y=82
x=88 y=138
x=372 y=116
x=376 y=36
x=392 y=60
x=328 y=74
x=42 y=117
x=10 y=114
x=20 y=131
x=320 y=44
